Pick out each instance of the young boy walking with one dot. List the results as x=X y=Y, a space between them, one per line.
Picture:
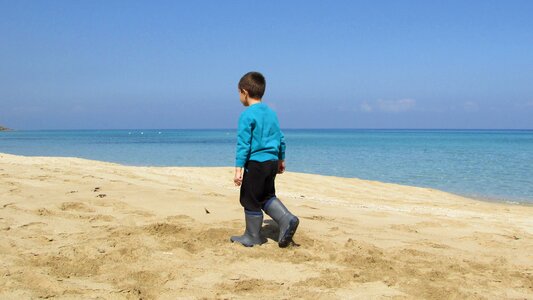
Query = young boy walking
x=260 y=156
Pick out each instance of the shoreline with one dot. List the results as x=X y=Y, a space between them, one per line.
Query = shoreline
x=514 y=202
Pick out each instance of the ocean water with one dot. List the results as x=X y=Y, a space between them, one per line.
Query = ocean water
x=488 y=164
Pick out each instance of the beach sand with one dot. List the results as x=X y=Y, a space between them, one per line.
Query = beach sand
x=76 y=228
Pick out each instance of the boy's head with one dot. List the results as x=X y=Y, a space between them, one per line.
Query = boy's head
x=252 y=85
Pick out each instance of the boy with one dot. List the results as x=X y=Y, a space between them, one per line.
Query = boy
x=260 y=156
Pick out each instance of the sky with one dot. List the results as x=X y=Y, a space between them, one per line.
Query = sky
x=328 y=64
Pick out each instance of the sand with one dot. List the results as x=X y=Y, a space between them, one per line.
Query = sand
x=74 y=228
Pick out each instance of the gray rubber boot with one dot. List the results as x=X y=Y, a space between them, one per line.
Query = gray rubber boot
x=252 y=235
x=287 y=222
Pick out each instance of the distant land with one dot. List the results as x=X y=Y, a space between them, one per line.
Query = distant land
x=4 y=128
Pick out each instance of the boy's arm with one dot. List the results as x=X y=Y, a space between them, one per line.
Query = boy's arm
x=244 y=140
x=282 y=146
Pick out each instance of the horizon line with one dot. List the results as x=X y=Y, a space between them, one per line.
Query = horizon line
x=292 y=128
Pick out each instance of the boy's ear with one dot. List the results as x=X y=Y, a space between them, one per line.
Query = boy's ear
x=245 y=92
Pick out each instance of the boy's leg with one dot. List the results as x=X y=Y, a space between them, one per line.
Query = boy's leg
x=252 y=233
x=250 y=193
x=252 y=187
x=287 y=222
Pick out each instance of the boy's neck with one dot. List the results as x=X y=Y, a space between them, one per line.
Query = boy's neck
x=252 y=101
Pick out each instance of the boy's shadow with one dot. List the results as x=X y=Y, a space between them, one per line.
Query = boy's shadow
x=270 y=230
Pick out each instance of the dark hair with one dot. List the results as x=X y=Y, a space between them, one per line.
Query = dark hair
x=254 y=83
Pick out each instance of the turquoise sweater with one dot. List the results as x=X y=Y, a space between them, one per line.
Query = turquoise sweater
x=259 y=137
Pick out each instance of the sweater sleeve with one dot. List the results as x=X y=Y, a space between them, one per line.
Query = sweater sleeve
x=282 y=147
x=244 y=140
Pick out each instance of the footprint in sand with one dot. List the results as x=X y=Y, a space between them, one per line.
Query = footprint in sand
x=213 y=194
x=318 y=218
x=311 y=207
x=76 y=206
x=43 y=212
x=40 y=224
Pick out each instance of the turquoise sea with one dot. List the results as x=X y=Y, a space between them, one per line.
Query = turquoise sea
x=494 y=165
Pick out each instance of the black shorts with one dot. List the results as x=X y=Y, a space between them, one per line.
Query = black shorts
x=258 y=184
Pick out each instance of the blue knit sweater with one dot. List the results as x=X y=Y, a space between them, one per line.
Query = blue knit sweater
x=259 y=137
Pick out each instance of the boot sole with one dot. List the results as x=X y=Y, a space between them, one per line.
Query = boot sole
x=247 y=245
x=287 y=237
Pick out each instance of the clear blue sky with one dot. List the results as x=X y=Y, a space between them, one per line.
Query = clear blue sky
x=328 y=64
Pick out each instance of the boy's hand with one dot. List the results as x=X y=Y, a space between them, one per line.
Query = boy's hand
x=281 y=166
x=237 y=179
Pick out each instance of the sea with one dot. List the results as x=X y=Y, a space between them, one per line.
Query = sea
x=492 y=165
